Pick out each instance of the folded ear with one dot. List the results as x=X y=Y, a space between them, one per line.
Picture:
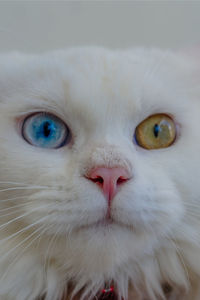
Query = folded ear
x=190 y=57
x=193 y=52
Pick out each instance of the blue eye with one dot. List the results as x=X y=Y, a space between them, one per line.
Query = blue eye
x=45 y=130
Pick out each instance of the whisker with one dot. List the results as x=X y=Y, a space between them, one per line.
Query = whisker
x=22 y=242
x=10 y=213
x=24 y=188
x=41 y=168
x=14 y=206
x=21 y=216
x=191 y=209
x=181 y=257
x=45 y=229
x=39 y=236
x=18 y=245
x=191 y=204
x=11 y=199
x=52 y=241
x=23 y=230
x=32 y=241
x=15 y=219
x=20 y=183
x=194 y=215
x=193 y=237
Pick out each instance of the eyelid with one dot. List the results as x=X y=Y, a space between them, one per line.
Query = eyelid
x=19 y=120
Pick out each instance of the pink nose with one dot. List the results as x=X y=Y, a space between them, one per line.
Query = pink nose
x=109 y=179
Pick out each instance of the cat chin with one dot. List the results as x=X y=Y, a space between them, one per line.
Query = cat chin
x=151 y=269
x=102 y=249
x=92 y=274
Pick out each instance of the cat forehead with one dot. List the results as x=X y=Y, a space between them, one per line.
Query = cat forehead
x=93 y=78
x=97 y=72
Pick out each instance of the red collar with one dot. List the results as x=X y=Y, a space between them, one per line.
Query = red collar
x=108 y=294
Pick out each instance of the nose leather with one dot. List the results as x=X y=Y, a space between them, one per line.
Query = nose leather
x=109 y=179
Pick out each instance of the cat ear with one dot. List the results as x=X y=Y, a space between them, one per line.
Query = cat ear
x=190 y=57
x=192 y=52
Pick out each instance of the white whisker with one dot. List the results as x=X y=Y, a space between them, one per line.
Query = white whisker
x=23 y=188
x=21 y=183
x=17 y=210
x=14 y=206
x=181 y=257
x=23 y=229
x=15 y=198
x=22 y=242
x=45 y=229
x=32 y=241
x=10 y=213
x=18 y=245
x=52 y=241
x=2 y=226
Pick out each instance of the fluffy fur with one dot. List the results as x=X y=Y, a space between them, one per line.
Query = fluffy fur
x=53 y=244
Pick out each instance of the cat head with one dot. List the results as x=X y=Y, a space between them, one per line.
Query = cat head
x=96 y=184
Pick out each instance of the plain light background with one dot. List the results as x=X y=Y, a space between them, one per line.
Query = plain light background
x=37 y=26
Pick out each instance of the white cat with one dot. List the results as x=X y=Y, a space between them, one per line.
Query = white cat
x=100 y=175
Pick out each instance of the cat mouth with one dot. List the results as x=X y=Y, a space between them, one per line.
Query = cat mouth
x=105 y=223
x=112 y=222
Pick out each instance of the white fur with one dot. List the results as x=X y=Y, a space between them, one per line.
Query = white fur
x=102 y=95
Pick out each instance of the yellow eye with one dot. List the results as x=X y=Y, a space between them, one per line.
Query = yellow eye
x=157 y=131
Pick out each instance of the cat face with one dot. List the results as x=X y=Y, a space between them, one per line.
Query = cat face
x=98 y=98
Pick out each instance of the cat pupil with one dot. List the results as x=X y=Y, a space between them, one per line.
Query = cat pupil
x=47 y=129
x=156 y=130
